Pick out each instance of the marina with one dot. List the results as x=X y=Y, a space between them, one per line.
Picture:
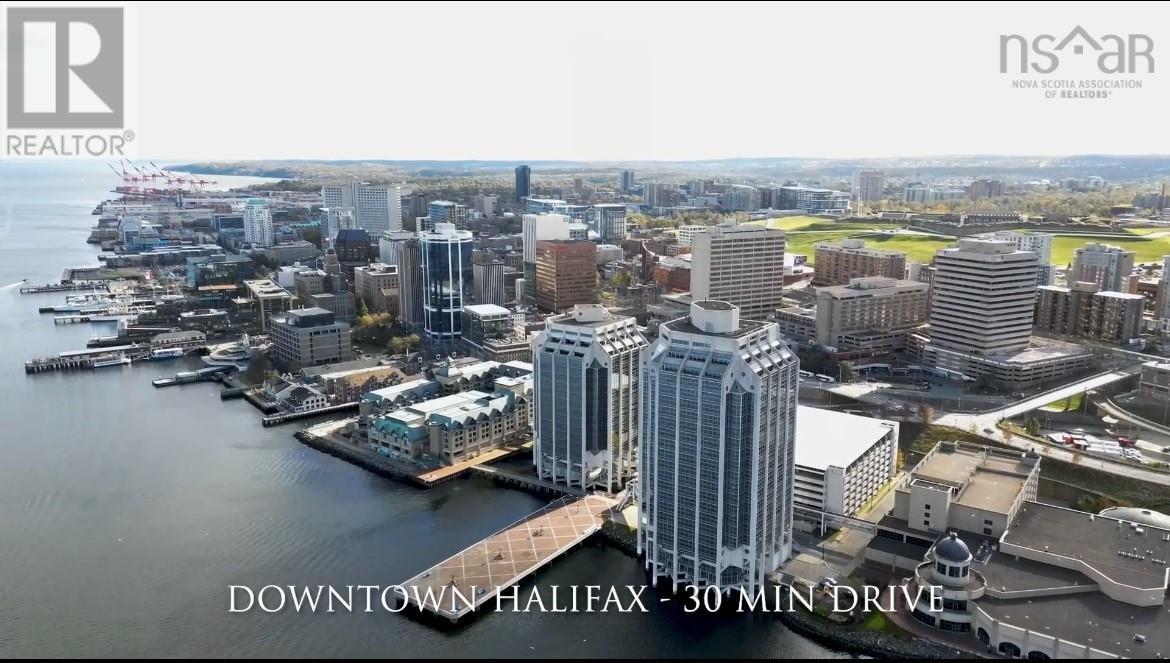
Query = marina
x=499 y=561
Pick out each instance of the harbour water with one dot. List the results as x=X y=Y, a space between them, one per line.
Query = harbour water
x=126 y=511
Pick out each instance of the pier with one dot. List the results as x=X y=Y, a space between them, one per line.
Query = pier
x=62 y=287
x=283 y=417
x=483 y=570
x=82 y=359
x=528 y=482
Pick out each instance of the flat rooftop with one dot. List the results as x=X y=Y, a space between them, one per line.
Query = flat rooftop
x=486 y=309
x=986 y=479
x=1111 y=546
x=684 y=325
x=1007 y=573
x=1093 y=620
x=827 y=438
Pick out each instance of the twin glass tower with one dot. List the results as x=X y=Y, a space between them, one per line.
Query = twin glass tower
x=709 y=414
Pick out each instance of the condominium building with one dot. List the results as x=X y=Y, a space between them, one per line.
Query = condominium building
x=309 y=337
x=457 y=427
x=868 y=185
x=376 y=208
x=840 y=263
x=743 y=265
x=378 y=286
x=812 y=200
x=984 y=292
x=1038 y=243
x=445 y=253
x=872 y=314
x=717 y=450
x=445 y=211
x=566 y=274
x=587 y=385
x=488 y=278
x=1083 y=311
x=842 y=460
x=985 y=189
x=741 y=198
x=1106 y=265
x=258 y=223
x=654 y=194
x=610 y=222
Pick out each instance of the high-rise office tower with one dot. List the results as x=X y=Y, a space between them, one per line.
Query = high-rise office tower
x=258 y=223
x=743 y=265
x=566 y=274
x=587 y=373
x=1106 y=265
x=377 y=208
x=446 y=279
x=445 y=211
x=537 y=228
x=610 y=222
x=983 y=297
x=409 y=261
x=716 y=450
x=523 y=182
x=488 y=278
x=868 y=185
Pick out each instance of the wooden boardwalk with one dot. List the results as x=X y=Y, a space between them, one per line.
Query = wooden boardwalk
x=464 y=582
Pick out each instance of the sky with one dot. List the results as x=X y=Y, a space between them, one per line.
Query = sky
x=625 y=81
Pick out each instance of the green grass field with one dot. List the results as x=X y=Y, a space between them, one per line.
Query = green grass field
x=805 y=231
x=1070 y=404
x=1147 y=249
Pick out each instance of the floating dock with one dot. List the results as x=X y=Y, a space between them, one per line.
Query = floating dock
x=209 y=374
x=503 y=559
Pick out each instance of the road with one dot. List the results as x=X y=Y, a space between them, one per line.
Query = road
x=980 y=423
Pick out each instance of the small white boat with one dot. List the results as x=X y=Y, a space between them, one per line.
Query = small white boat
x=164 y=354
x=111 y=360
